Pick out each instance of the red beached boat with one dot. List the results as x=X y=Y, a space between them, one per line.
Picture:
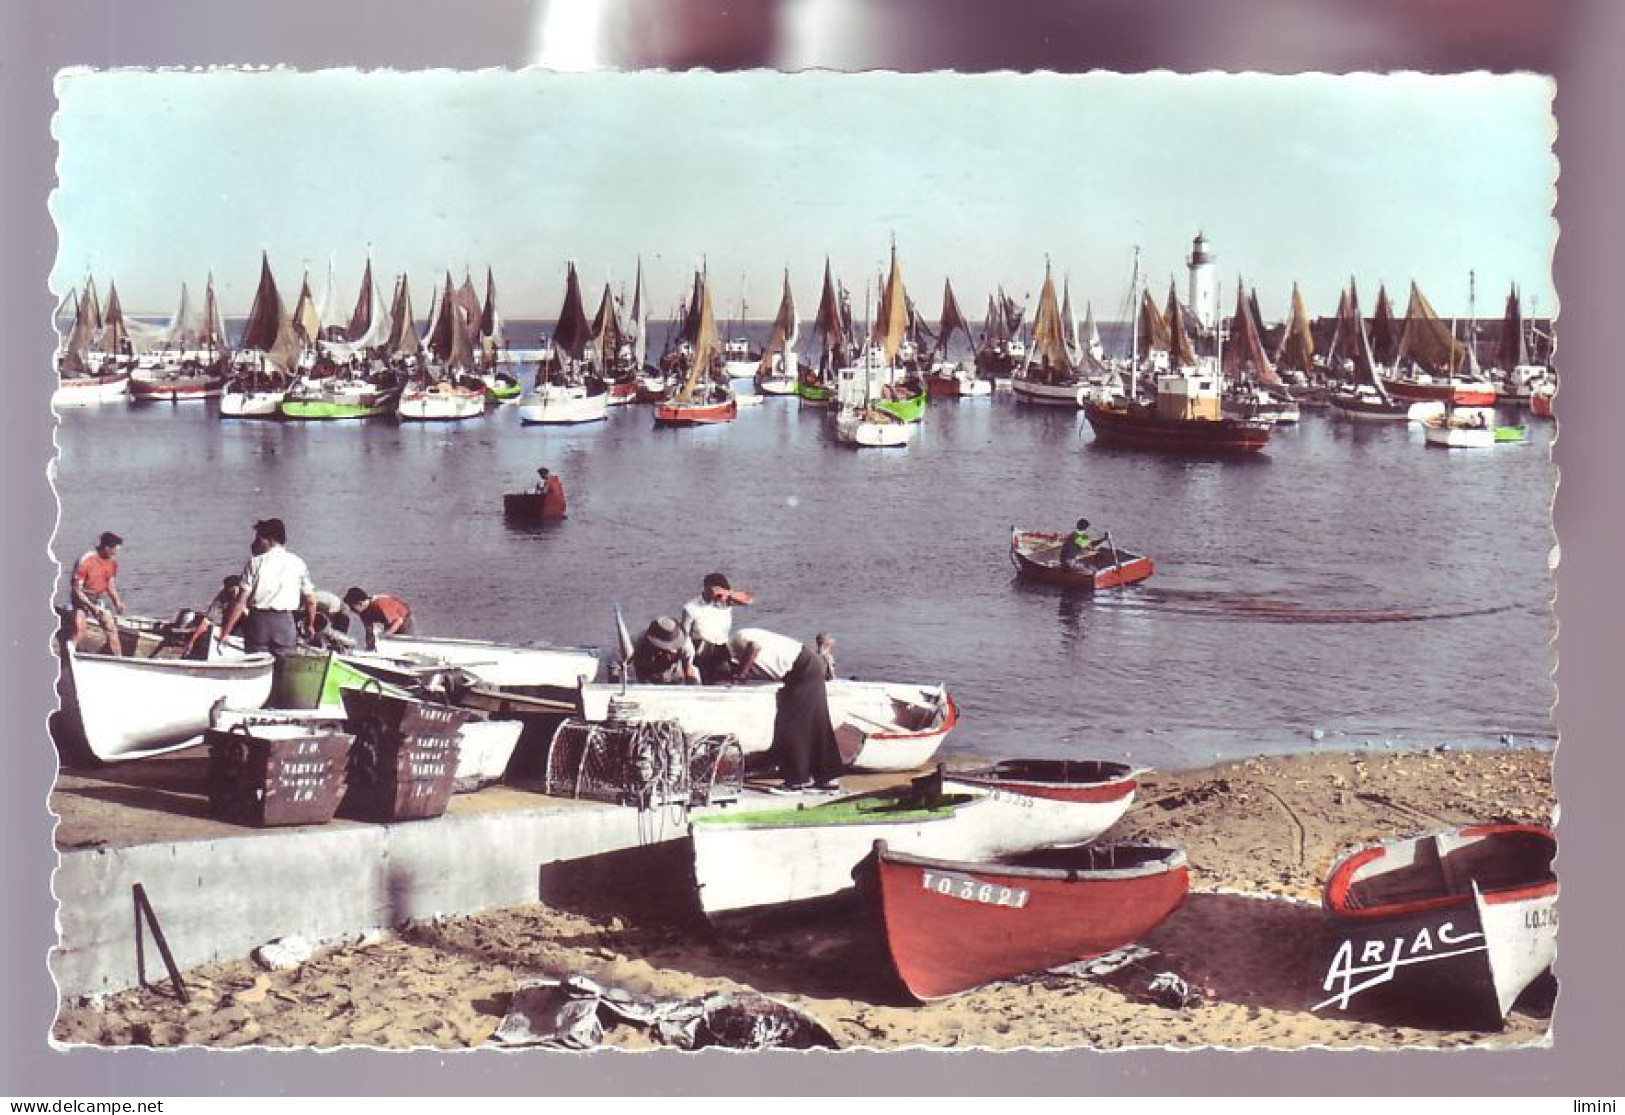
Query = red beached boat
x=950 y=926
x=1036 y=554
x=1450 y=927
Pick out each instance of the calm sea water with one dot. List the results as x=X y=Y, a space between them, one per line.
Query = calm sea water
x=1348 y=579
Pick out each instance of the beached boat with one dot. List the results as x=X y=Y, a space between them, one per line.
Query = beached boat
x=498 y=664
x=768 y=860
x=879 y=726
x=950 y=925
x=1451 y=926
x=140 y=705
x=1036 y=554
x=1050 y=802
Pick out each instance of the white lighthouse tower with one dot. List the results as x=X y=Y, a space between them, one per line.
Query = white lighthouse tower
x=1204 y=293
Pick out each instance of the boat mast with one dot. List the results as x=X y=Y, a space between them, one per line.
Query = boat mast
x=1134 y=315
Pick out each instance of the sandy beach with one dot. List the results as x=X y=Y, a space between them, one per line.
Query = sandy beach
x=1250 y=940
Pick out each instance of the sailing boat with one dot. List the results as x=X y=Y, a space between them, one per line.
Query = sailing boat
x=267 y=353
x=84 y=376
x=331 y=393
x=1186 y=415
x=777 y=373
x=1254 y=386
x=1002 y=349
x=902 y=395
x=611 y=354
x=569 y=391
x=859 y=417
x=501 y=386
x=1520 y=375
x=951 y=379
x=704 y=397
x=191 y=363
x=1468 y=427
x=1364 y=398
x=448 y=390
x=816 y=386
x=1428 y=360
x=1049 y=376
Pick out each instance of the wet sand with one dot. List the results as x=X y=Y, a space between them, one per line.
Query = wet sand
x=1250 y=940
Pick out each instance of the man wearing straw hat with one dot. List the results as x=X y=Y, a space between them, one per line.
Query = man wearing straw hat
x=663 y=655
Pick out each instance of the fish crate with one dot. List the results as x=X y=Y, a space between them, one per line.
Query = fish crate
x=405 y=716
x=268 y=775
x=644 y=764
x=392 y=777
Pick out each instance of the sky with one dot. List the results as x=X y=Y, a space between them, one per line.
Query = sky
x=165 y=177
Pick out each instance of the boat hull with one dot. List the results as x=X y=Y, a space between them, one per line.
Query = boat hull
x=1447 y=928
x=84 y=391
x=1457 y=392
x=910 y=409
x=1044 y=803
x=129 y=708
x=695 y=414
x=440 y=405
x=952 y=925
x=1072 y=395
x=867 y=433
x=1036 y=555
x=880 y=726
x=963 y=385
x=1540 y=403
x=252 y=404
x=1133 y=429
x=815 y=394
x=162 y=387
x=564 y=407
x=498 y=664
x=776 y=385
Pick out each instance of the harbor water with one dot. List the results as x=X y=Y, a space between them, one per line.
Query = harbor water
x=1347 y=587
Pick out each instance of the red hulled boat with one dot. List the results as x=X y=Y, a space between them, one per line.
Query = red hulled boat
x=1449 y=927
x=1140 y=426
x=1036 y=554
x=702 y=398
x=950 y=926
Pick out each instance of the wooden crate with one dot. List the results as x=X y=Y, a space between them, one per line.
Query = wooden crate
x=392 y=777
x=277 y=774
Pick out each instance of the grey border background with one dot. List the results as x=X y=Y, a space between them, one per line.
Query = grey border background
x=1578 y=41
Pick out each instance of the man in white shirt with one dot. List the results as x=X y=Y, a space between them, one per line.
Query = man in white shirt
x=804 y=745
x=276 y=583
x=708 y=623
x=761 y=655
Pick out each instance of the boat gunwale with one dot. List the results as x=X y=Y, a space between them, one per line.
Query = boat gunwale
x=1340 y=880
x=1174 y=859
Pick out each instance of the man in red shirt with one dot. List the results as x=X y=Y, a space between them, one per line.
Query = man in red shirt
x=94 y=591
x=388 y=615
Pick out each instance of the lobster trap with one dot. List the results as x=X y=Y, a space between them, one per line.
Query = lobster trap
x=646 y=763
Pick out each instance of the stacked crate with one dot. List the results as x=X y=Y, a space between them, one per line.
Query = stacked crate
x=404 y=761
x=277 y=774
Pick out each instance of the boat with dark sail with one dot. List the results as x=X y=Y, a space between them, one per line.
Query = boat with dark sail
x=1361 y=395
x=85 y=375
x=815 y=386
x=267 y=355
x=950 y=379
x=1254 y=388
x=1431 y=365
x=779 y=372
x=703 y=398
x=501 y=385
x=448 y=387
x=1519 y=375
x=1048 y=375
x=569 y=387
x=1001 y=349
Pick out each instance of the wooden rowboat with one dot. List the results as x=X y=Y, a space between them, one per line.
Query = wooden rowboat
x=1036 y=555
x=1448 y=927
x=1050 y=802
x=498 y=664
x=951 y=925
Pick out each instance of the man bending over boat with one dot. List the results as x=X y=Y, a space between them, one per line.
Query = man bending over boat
x=276 y=582
x=380 y=615
x=1077 y=546
x=803 y=738
x=93 y=591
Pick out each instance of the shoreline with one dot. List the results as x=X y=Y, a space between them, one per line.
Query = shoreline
x=1260 y=834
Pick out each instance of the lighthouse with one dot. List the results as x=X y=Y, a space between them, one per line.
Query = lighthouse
x=1204 y=292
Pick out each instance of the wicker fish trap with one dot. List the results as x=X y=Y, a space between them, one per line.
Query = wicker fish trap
x=643 y=763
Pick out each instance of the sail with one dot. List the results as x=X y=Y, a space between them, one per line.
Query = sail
x=491 y=338
x=1152 y=326
x=269 y=329
x=364 y=314
x=92 y=306
x=786 y=326
x=328 y=309
x=403 y=333
x=1013 y=314
x=80 y=340
x=638 y=327
x=827 y=322
x=115 y=337
x=1511 y=350
x=182 y=330
x=994 y=328
x=572 y=330
x=1384 y=332
x=440 y=324
x=706 y=343
x=1427 y=340
x=213 y=335
x=1244 y=355
x=307 y=324
x=691 y=321
x=1049 y=350
x=1091 y=335
x=473 y=312
x=1298 y=346
x=952 y=318
x=606 y=329
x=891 y=323
x=1181 y=353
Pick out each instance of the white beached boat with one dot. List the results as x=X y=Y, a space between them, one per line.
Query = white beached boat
x=1049 y=803
x=132 y=707
x=497 y=664
x=880 y=726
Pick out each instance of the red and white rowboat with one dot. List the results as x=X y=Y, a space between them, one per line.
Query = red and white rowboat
x=670 y=413
x=1050 y=802
x=951 y=925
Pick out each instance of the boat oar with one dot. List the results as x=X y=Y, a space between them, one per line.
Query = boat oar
x=1116 y=563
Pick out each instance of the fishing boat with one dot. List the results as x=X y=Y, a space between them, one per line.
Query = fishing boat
x=1001 y=350
x=503 y=665
x=879 y=726
x=1450 y=926
x=151 y=700
x=189 y=358
x=1431 y=365
x=447 y=389
x=1048 y=376
x=778 y=372
x=84 y=377
x=339 y=399
x=896 y=389
x=1036 y=554
x=815 y=386
x=774 y=860
x=1362 y=397
x=739 y=360
x=1050 y=802
x=1469 y=428
x=951 y=925
x=950 y=379
x=569 y=390
x=874 y=409
x=703 y=398
x=1254 y=387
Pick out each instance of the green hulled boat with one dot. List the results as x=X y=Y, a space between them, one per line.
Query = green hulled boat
x=347 y=400
x=908 y=409
x=1511 y=433
x=815 y=394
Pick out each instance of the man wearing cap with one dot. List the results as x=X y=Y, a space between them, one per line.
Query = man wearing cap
x=379 y=615
x=803 y=737
x=276 y=584
x=93 y=591
x=663 y=655
x=708 y=622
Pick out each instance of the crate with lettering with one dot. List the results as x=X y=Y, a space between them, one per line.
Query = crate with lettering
x=277 y=774
x=403 y=766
